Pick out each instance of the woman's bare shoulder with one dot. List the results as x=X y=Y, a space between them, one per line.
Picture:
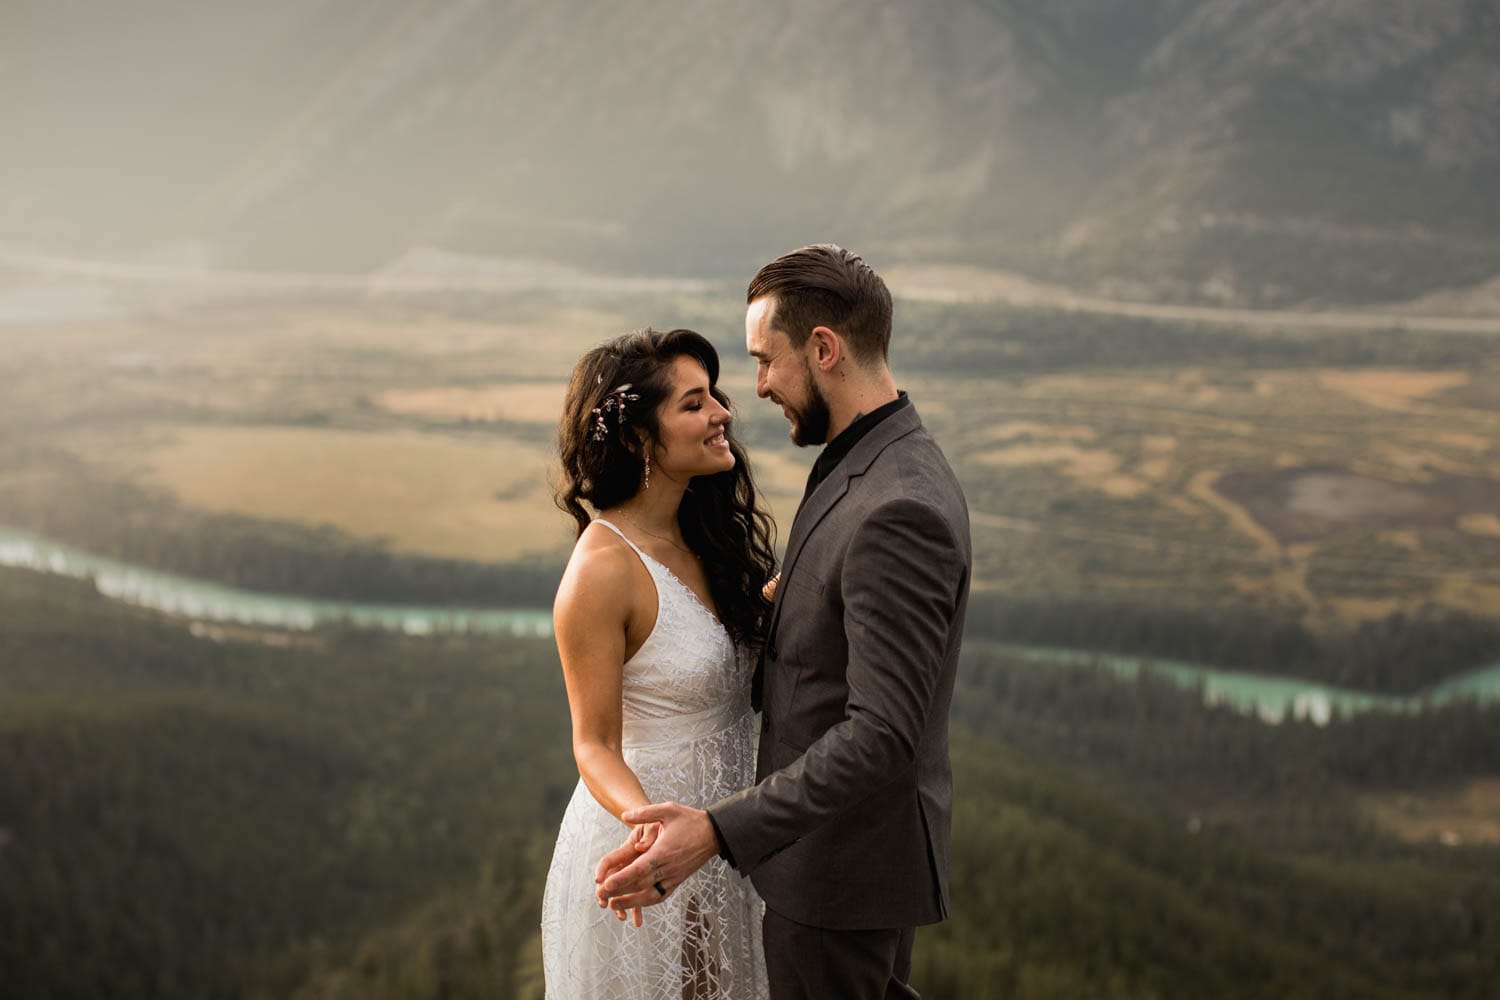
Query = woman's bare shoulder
x=600 y=576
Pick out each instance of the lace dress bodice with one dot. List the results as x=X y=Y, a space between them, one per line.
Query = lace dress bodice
x=688 y=734
x=688 y=663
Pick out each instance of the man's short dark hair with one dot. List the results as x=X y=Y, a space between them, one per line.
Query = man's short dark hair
x=826 y=285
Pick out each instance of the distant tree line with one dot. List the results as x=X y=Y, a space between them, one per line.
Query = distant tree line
x=1007 y=340
x=1401 y=653
x=1152 y=729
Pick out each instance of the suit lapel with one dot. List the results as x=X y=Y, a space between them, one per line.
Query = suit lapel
x=833 y=489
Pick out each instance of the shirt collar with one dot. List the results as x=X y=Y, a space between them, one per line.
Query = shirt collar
x=837 y=449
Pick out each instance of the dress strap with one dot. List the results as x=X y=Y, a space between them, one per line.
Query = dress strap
x=616 y=529
x=653 y=570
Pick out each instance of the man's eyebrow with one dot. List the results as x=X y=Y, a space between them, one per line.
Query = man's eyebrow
x=758 y=355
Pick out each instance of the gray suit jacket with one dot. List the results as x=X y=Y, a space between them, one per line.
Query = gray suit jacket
x=849 y=825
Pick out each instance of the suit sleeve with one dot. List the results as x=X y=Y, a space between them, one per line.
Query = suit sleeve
x=900 y=584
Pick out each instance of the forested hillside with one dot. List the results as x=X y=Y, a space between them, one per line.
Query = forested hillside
x=351 y=815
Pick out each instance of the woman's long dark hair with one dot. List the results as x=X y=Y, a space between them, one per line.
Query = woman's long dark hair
x=719 y=517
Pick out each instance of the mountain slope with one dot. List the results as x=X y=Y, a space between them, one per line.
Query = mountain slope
x=1184 y=148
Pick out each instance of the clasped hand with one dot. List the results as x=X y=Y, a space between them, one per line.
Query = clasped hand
x=667 y=843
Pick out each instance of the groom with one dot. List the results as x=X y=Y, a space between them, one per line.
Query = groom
x=846 y=835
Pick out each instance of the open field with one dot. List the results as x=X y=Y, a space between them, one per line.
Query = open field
x=467 y=495
x=527 y=403
x=1466 y=814
x=478 y=498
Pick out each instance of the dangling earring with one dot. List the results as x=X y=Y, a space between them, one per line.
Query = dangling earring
x=648 y=471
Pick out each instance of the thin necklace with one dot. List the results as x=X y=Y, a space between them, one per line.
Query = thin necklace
x=640 y=527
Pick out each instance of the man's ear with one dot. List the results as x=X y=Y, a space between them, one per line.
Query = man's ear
x=827 y=347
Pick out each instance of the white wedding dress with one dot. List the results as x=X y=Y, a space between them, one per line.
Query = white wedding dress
x=689 y=736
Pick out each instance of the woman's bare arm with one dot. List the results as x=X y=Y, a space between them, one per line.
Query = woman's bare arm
x=591 y=616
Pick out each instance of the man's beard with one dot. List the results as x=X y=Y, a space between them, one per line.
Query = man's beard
x=810 y=422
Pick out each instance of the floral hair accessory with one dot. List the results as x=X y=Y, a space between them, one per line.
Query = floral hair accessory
x=614 y=402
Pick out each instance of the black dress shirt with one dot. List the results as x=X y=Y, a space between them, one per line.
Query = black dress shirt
x=844 y=443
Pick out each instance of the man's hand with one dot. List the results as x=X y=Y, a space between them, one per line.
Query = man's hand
x=628 y=878
x=641 y=837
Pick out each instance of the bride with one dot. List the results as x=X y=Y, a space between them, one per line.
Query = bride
x=656 y=618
